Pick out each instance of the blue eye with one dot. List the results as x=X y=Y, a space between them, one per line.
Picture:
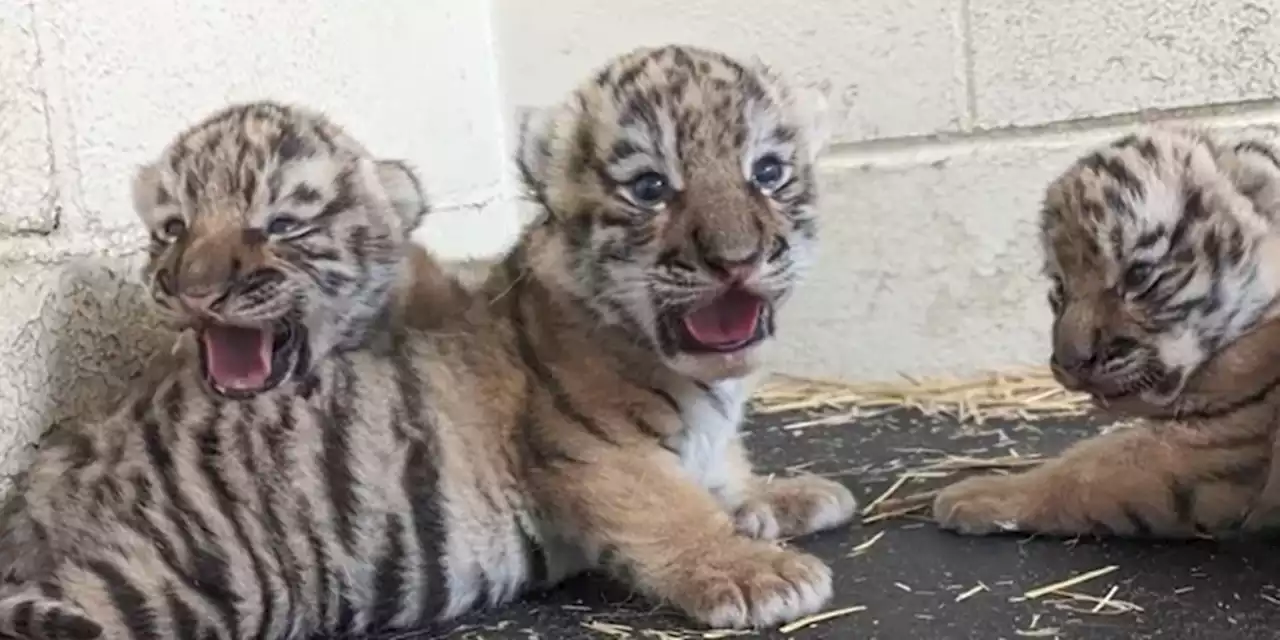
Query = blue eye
x=649 y=189
x=282 y=224
x=769 y=172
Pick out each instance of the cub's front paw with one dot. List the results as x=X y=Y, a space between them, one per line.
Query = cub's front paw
x=753 y=585
x=982 y=505
x=785 y=507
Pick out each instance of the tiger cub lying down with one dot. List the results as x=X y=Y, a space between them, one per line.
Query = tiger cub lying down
x=1164 y=254
x=334 y=459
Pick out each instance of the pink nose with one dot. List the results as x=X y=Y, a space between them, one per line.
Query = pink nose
x=734 y=271
x=199 y=299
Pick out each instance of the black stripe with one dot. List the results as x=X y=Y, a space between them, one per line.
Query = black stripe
x=278 y=543
x=184 y=619
x=336 y=455
x=346 y=612
x=1260 y=148
x=24 y=618
x=388 y=577
x=128 y=599
x=535 y=450
x=667 y=398
x=1139 y=524
x=1182 y=499
x=535 y=557
x=421 y=484
x=208 y=570
x=211 y=454
x=538 y=369
x=315 y=254
x=714 y=397
x=1217 y=411
x=646 y=427
x=164 y=547
x=319 y=566
x=61 y=623
x=342 y=200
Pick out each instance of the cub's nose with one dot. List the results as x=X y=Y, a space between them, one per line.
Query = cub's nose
x=201 y=298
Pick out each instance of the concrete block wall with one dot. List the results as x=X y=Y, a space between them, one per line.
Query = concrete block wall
x=950 y=118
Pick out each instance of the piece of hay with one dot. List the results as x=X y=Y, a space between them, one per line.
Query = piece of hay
x=818 y=618
x=871 y=506
x=610 y=629
x=1043 y=632
x=1065 y=600
x=1063 y=585
x=1106 y=600
x=978 y=588
x=895 y=513
x=862 y=547
x=1025 y=394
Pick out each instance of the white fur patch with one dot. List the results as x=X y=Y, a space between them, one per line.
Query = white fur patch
x=711 y=419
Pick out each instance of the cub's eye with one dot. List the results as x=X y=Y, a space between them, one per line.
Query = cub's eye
x=173 y=228
x=770 y=172
x=283 y=224
x=648 y=190
x=1135 y=276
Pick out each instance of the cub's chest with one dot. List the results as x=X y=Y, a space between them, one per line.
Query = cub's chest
x=711 y=416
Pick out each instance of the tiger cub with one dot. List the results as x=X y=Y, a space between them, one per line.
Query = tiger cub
x=619 y=338
x=1164 y=256
x=333 y=459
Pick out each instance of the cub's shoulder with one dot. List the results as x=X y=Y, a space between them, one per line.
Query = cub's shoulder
x=435 y=293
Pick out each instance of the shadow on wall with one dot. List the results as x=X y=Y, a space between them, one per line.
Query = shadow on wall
x=83 y=339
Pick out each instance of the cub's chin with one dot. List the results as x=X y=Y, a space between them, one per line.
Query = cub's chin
x=713 y=367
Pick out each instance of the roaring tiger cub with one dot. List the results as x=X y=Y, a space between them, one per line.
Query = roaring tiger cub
x=335 y=455
x=1164 y=255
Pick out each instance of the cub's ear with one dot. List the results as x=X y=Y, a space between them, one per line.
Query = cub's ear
x=808 y=102
x=533 y=148
x=812 y=105
x=149 y=194
x=536 y=130
x=405 y=192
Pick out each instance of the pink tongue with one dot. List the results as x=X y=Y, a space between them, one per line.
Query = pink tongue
x=729 y=320
x=239 y=358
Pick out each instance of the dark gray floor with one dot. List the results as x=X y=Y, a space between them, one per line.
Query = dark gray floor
x=910 y=578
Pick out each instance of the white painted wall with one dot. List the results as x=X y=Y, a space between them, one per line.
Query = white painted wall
x=950 y=117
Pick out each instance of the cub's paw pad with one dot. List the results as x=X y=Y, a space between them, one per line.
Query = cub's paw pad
x=980 y=506
x=760 y=587
x=795 y=506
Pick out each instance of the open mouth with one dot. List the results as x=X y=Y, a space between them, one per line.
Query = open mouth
x=239 y=362
x=731 y=322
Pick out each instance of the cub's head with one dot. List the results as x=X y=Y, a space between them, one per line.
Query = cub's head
x=678 y=186
x=1161 y=249
x=275 y=236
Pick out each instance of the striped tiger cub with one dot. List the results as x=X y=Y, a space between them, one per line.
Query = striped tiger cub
x=356 y=443
x=1164 y=256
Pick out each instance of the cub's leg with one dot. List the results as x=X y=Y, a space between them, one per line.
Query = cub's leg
x=670 y=539
x=1168 y=481
x=774 y=507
